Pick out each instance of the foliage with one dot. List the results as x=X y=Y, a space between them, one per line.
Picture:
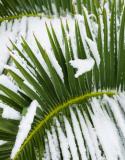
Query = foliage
x=54 y=95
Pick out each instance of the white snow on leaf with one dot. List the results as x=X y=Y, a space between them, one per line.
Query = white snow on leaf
x=118 y=113
x=2 y=66
x=2 y=142
x=121 y=100
x=89 y=22
x=24 y=65
x=94 y=50
x=53 y=151
x=99 y=134
x=82 y=65
x=42 y=36
x=93 y=143
x=86 y=135
x=106 y=131
x=78 y=136
x=14 y=69
x=4 y=41
x=63 y=142
x=47 y=151
x=4 y=80
x=19 y=28
x=55 y=141
x=10 y=113
x=71 y=140
x=24 y=127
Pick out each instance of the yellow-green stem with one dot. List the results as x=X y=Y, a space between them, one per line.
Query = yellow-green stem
x=20 y=16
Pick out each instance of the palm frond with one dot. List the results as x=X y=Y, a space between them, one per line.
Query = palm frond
x=16 y=9
x=65 y=104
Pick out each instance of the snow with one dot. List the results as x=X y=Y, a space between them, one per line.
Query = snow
x=24 y=127
x=94 y=50
x=86 y=135
x=103 y=133
x=55 y=141
x=89 y=22
x=118 y=113
x=14 y=69
x=93 y=143
x=121 y=100
x=53 y=151
x=4 y=80
x=27 y=26
x=24 y=65
x=106 y=131
x=78 y=136
x=9 y=30
x=2 y=142
x=4 y=53
x=82 y=65
x=47 y=151
x=10 y=113
x=53 y=144
x=63 y=142
x=41 y=34
x=100 y=138
x=71 y=139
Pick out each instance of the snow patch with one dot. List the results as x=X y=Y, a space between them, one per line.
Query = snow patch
x=2 y=142
x=94 y=50
x=78 y=135
x=10 y=113
x=106 y=131
x=71 y=139
x=53 y=151
x=24 y=127
x=47 y=151
x=82 y=65
x=63 y=142
x=4 y=80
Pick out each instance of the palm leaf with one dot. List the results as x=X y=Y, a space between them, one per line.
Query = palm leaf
x=16 y=9
x=65 y=124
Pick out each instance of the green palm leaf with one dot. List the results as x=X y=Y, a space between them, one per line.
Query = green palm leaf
x=61 y=112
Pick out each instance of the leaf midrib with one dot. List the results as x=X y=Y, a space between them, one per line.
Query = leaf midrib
x=56 y=110
x=8 y=18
